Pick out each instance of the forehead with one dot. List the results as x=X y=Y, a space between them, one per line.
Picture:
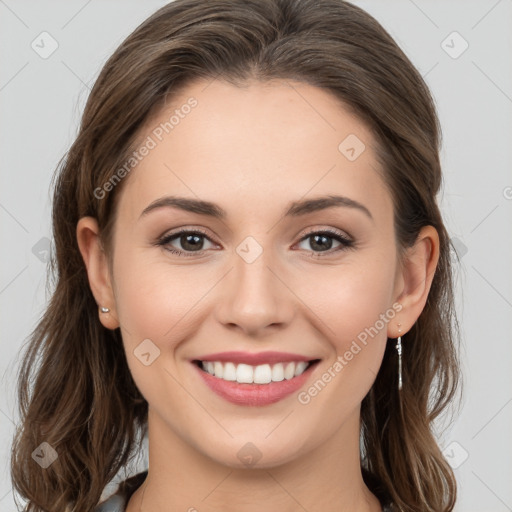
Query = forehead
x=260 y=142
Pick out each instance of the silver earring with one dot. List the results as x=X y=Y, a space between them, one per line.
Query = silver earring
x=399 y=350
x=105 y=310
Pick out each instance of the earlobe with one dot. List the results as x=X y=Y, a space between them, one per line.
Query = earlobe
x=96 y=263
x=417 y=274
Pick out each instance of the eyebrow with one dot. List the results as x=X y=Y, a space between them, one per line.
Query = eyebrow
x=295 y=208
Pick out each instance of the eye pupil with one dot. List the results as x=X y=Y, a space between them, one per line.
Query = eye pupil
x=321 y=246
x=198 y=242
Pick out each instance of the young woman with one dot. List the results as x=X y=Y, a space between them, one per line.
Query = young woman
x=251 y=268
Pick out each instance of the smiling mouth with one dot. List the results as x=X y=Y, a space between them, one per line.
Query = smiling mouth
x=255 y=374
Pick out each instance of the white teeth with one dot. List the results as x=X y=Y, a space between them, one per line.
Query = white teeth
x=300 y=367
x=244 y=374
x=229 y=371
x=218 y=369
x=289 y=371
x=278 y=372
x=261 y=374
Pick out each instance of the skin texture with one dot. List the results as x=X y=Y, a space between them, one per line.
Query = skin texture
x=253 y=150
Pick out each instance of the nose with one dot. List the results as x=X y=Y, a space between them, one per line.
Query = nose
x=255 y=298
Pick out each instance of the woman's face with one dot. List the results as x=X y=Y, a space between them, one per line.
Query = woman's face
x=263 y=277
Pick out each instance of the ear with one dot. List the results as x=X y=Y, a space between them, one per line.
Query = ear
x=415 y=279
x=96 y=263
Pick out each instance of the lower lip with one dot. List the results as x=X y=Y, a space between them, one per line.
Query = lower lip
x=254 y=394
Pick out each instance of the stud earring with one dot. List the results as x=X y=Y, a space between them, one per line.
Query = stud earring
x=399 y=350
x=104 y=310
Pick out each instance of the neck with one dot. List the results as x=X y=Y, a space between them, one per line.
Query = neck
x=326 y=478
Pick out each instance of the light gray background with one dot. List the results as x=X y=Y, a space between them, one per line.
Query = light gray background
x=41 y=101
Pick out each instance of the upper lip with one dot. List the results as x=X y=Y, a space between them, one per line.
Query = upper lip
x=254 y=359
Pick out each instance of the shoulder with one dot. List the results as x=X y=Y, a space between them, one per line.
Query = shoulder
x=118 y=501
x=115 y=503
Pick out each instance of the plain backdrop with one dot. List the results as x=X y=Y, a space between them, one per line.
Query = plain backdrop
x=462 y=48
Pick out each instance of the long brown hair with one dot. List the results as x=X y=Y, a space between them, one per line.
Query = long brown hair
x=75 y=390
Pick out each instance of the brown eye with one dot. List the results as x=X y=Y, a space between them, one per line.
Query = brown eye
x=191 y=242
x=322 y=241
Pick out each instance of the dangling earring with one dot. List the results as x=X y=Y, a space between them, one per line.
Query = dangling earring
x=105 y=310
x=399 y=350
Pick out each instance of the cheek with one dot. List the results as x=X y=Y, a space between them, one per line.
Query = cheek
x=350 y=298
x=153 y=299
x=155 y=302
x=354 y=308
x=355 y=316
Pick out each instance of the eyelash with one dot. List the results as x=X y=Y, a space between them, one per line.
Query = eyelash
x=345 y=242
